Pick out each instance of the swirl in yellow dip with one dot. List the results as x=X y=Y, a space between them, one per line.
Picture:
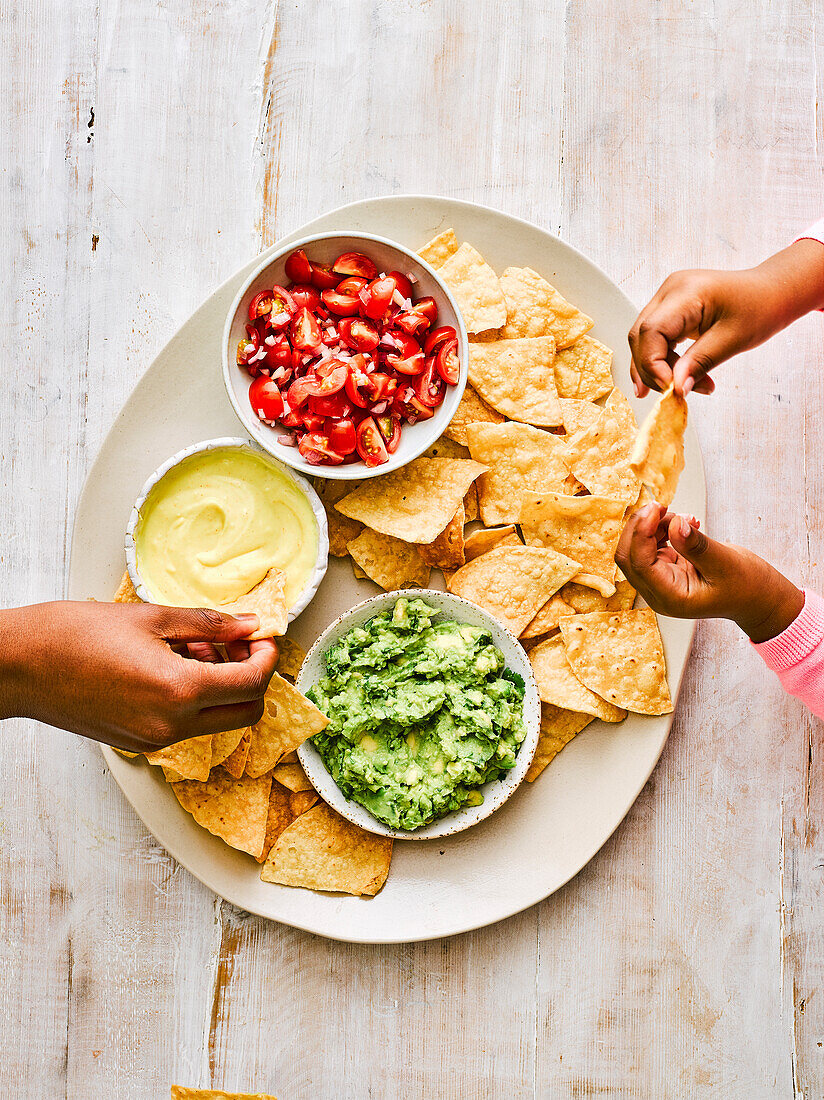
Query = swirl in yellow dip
x=215 y=524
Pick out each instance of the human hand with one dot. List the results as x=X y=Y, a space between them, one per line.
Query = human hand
x=724 y=313
x=682 y=573
x=108 y=671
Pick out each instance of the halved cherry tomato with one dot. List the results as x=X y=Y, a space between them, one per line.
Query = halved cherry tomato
x=298 y=268
x=381 y=386
x=358 y=334
x=415 y=364
x=352 y=286
x=437 y=337
x=411 y=322
x=447 y=363
x=343 y=305
x=279 y=354
x=400 y=344
x=428 y=307
x=370 y=444
x=390 y=428
x=342 y=436
x=355 y=263
x=402 y=283
x=260 y=305
x=358 y=380
x=291 y=420
x=323 y=277
x=377 y=297
x=317 y=450
x=312 y=422
x=282 y=310
x=331 y=383
x=304 y=331
x=265 y=398
x=304 y=294
x=430 y=386
x=301 y=390
x=245 y=350
x=336 y=406
x=409 y=406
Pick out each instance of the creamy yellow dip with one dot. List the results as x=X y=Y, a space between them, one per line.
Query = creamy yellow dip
x=215 y=524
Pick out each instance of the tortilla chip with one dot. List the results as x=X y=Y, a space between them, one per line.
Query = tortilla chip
x=126 y=753
x=180 y=1092
x=470 y=503
x=279 y=818
x=125 y=591
x=447 y=550
x=586 y=529
x=415 y=503
x=620 y=656
x=291 y=656
x=471 y=410
x=558 y=727
x=512 y=582
x=548 y=616
x=268 y=602
x=388 y=561
x=518 y=458
x=342 y=531
x=301 y=801
x=487 y=538
x=584 y=371
x=535 y=308
x=437 y=251
x=224 y=744
x=293 y=777
x=516 y=378
x=191 y=759
x=476 y=289
x=288 y=719
x=290 y=757
x=233 y=809
x=323 y=851
x=578 y=415
x=446 y=448
x=600 y=455
x=358 y=572
x=658 y=455
x=558 y=684
x=235 y=764
x=578 y=599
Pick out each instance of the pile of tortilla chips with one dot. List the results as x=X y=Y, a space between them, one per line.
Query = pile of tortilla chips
x=546 y=453
x=180 y=1092
x=247 y=787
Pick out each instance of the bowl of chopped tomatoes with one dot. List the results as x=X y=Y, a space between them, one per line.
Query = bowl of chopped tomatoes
x=345 y=355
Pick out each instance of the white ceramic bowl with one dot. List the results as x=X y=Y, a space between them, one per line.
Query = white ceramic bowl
x=318 y=510
x=495 y=792
x=325 y=248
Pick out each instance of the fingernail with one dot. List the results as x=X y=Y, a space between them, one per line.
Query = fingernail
x=248 y=617
x=684 y=528
x=695 y=522
x=688 y=384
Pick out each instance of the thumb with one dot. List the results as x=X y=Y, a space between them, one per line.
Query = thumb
x=712 y=348
x=710 y=558
x=198 y=624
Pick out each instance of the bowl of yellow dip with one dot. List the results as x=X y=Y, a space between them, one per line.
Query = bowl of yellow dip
x=213 y=520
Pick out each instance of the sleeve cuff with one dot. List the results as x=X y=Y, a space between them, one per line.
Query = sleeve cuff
x=814 y=233
x=799 y=639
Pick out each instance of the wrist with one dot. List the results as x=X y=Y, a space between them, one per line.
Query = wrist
x=13 y=664
x=767 y=617
x=794 y=281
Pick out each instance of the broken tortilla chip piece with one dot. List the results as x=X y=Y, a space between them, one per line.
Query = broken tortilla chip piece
x=518 y=457
x=268 y=602
x=546 y=620
x=224 y=744
x=512 y=582
x=586 y=529
x=470 y=503
x=235 y=763
x=558 y=727
x=620 y=656
x=233 y=809
x=476 y=289
x=415 y=503
x=288 y=719
x=471 y=410
x=599 y=456
x=125 y=591
x=389 y=562
x=342 y=531
x=279 y=818
x=180 y=1092
x=291 y=656
x=516 y=378
x=578 y=599
x=487 y=538
x=301 y=801
x=447 y=550
x=578 y=415
x=191 y=759
x=558 y=684
x=584 y=370
x=322 y=851
x=293 y=777
x=658 y=455
x=535 y=308
x=437 y=251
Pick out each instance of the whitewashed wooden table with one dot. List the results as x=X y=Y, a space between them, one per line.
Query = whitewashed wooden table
x=149 y=149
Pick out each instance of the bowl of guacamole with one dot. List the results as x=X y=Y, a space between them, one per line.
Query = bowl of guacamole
x=434 y=714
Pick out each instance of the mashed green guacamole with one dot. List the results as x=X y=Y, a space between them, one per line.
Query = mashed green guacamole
x=422 y=713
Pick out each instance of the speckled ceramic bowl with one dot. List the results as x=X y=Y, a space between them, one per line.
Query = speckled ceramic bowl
x=496 y=792
x=326 y=247
x=224 y=443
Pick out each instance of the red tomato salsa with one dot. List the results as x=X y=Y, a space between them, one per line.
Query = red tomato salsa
x=344 y=356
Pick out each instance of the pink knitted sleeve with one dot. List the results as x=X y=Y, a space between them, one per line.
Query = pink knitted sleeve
x=814 y=233
x=797 y=654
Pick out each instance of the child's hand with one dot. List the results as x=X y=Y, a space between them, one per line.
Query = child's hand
x=724 y=312
x=682 y=573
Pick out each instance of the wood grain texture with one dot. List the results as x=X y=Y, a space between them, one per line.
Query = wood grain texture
x=687 y=959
